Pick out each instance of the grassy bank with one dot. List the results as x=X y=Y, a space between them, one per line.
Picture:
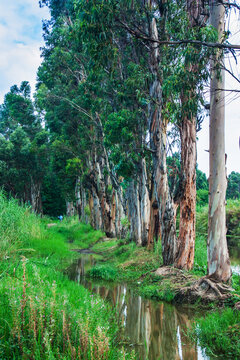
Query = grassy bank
x=219 y=330
x=123 y=261
x=43 y=315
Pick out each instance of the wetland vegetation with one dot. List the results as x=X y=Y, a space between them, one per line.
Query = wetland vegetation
x=113 y=243
x=46 y=315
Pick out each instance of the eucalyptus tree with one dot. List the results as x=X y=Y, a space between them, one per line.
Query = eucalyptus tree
x=110 y=85
x=218 y=257
x=192 y=73
x=24 y=158
x=72 y=88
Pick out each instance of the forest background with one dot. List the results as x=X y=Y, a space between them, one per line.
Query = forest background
x=91 y=134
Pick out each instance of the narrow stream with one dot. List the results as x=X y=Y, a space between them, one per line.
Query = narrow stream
x=156 y=330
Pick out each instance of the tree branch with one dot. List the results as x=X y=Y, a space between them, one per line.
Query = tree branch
x=216 y=45
x=230 y=4
x=232 y=90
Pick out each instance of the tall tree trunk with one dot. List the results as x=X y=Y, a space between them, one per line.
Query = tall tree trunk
x=133 y=211
x=154 y=221
x=186 y=239
x=138 y=205
x=70 y=208
x=117 y=212
x=158 y=141
x=82 y=205
x=218 y=257
x=144 y=203
x=36 y=200
x=78 y=198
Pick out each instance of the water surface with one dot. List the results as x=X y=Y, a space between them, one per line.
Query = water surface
x=156 y=330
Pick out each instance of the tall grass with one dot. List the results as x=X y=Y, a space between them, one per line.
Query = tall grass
x=16 y=225
x=43 y=315
x=219 y=333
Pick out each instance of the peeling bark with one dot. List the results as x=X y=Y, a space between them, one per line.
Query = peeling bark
x=186 y=239
x=158 y=141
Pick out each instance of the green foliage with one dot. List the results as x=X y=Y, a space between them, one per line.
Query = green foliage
x=202 y=197
x=153 y=292
x=201 y=180
x=200 y=257
x=104 y=272
x=23 y=145
x=233 y=220
x=233 y=188
x=53 y=201
x=87 y=210
x=219 y=333
x=125 y=222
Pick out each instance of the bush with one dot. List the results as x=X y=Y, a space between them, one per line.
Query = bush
x=202 y=197
x=104 y=272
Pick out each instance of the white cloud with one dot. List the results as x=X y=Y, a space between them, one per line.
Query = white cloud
x=20 y=40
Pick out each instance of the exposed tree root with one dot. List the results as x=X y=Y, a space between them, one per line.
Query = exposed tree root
x=205 y=290
x=190 y=290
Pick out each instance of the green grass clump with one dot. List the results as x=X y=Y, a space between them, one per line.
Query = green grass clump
x=104 y=272
x=105 y=246
x=219 y=333
x=77 y=235
x=153 y=292
x=200 y=257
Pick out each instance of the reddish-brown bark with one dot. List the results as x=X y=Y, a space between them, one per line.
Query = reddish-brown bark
x=186 y=239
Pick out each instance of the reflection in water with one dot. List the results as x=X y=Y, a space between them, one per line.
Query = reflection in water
x=155 y=330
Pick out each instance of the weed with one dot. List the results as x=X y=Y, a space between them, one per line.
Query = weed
x=219 y=332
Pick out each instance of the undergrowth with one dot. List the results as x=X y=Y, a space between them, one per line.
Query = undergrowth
x=43 y=315
x=219 y=333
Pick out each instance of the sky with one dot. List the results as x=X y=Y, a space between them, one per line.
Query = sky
x=20 y=42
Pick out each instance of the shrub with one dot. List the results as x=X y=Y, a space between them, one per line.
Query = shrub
x=104 y=272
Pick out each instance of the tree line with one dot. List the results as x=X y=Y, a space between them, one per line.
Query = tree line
x=120 y=89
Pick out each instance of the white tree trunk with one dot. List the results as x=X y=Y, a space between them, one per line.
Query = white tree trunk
x=218 y=257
